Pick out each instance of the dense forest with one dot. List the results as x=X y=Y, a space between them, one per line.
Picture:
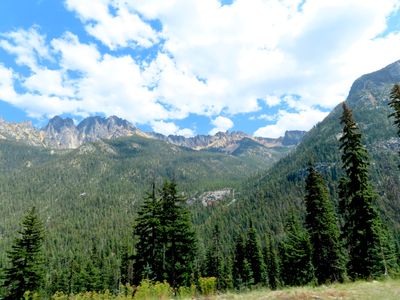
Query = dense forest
x=325 y=241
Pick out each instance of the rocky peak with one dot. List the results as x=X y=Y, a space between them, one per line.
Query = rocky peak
x=371 y=89
x=61 y=133
x=94 y=128
x=293 y=137
x=23 y=132
x=59 y=124
x=229 y=142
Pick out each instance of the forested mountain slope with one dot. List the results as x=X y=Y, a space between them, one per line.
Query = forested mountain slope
x=88 y=197
x=267 y=199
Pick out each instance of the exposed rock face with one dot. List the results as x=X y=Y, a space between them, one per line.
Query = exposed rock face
x=231 y=142
x=24 y=132
x=94 y=128
x=293 y=137
x=62 y=133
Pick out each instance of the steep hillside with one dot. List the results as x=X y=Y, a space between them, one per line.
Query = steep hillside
x=267 y=198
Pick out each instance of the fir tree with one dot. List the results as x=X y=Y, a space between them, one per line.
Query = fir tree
x=394 y=103
x=166 y=245
x=178 y=238
x=241 y=270
x=215 y=261
x=148 y=260
x=368 y=243
x=322 y=227
x=25 y=272
x=271 y=263
x=296 y=251
x=254 y=256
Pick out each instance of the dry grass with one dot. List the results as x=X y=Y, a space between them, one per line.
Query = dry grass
x=374 y=290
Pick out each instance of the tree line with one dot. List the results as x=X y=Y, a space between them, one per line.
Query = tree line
x=323 y=247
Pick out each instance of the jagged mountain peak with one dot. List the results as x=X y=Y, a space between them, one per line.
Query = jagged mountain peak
x=58 y=123
x=370 y=88
x=62 y=133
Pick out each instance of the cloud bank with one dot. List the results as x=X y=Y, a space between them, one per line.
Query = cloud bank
x=202 y=58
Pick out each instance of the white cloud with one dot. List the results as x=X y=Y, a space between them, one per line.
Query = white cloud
x=169 y=128
x=6 y=84
x=272 y=100
x=28 y=46
x=123 y=29
x=303 y=120
x=267 y=117
x=54 y=83
x=215 y=59
x=222 y=124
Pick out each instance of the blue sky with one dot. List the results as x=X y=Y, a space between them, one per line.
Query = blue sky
x=190 y=66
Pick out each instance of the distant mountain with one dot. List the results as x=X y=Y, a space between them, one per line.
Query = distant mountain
x=22 y=132
x=62 y=133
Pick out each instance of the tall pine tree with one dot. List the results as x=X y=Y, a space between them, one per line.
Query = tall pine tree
x=254 y=256
x=166 y=241
x=25 y=272
x=368 y=242
x=271 y=260
x=215 y=260
x=241 y=270
x=394 y=103
x=296 y=254
x=322 y=227
x=148 y=260
x=178 y=240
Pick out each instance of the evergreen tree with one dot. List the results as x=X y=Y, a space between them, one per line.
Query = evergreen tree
x=296 y=251
x=254 y=256
x=148 y=261
x=271 y=263
x=368 y=243
x=178 y=238
x=322 y=227
x=166 y=241
x=25 y=272
x=215 y=261
x=241 y=269
x=394 y=103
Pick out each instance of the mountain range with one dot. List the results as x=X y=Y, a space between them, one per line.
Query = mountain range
x=62 y=133
x=88 y=180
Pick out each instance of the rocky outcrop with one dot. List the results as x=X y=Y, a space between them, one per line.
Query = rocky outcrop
x=21 y=132
x=62 y=133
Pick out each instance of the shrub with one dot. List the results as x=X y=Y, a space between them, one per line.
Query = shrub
x=208 y=285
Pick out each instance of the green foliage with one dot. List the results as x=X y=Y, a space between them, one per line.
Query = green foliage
x=254 y=257
x=296 y=254
x=322 y=227
x=92 y=194
x=271 y=259
x=394 y=103
x=364 y=232
x=25 y=272
x=241 y=271
x=208 y=285
x=149 y=290
x=166 y=245
x=186 y=292
x=215 y=261
x=148 y=261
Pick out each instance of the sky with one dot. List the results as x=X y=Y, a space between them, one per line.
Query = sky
x=190 y=67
